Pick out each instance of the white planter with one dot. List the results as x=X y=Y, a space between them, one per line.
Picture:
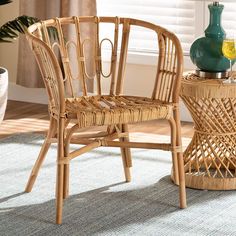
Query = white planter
x=3 y=91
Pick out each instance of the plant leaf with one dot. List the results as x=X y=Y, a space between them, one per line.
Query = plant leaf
x=11 y=29
x=3 y=2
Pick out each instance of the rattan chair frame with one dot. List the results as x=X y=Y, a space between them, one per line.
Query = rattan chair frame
x=163 y=103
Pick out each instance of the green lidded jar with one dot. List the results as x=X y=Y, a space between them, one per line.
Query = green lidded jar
x=206 y=52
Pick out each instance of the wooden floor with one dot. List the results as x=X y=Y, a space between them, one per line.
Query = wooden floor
x=22 y=117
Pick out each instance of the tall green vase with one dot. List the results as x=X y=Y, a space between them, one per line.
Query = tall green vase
x=206 y=52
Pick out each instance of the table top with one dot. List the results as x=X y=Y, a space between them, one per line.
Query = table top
x=195 y=86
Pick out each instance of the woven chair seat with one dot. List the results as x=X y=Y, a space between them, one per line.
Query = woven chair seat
x=106 y=110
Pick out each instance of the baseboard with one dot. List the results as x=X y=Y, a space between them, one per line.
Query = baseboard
x=39 y=95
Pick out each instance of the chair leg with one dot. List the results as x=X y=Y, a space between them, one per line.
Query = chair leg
x=60 y=171
x=174 y=152
x=42 y=155
x=181 y=171
x=126 y=155
x=182 y=189
x=59 y=192
x=175 y=167
x=66 y=174
x=177 y=157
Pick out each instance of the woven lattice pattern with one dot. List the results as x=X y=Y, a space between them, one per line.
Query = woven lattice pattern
x=212 y=151
x=105 y=110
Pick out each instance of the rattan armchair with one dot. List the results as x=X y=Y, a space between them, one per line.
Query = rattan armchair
x=70 y=111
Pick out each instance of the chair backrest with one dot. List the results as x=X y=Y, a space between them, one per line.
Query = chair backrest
x=58 y=54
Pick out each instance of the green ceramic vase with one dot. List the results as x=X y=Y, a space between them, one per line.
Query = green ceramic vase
x=206 y=52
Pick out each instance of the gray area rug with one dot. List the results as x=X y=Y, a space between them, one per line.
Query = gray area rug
x=100 y=203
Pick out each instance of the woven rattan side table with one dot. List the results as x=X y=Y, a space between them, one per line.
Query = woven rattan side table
x=210 y=158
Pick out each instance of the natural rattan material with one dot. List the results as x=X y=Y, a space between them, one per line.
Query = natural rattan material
x=69 y=112
x=107 y=110
x=210 y=159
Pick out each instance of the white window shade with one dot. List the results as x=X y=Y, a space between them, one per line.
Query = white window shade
x=187 y=18
x=175 y=15
x=229 y=17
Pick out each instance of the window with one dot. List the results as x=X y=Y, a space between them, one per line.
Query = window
x=229 y=16
x=187 y=18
